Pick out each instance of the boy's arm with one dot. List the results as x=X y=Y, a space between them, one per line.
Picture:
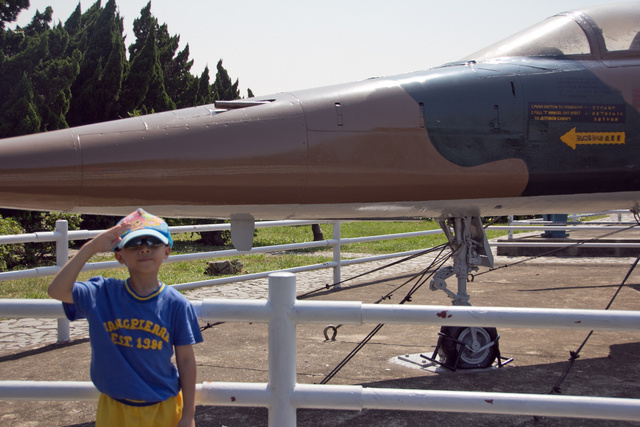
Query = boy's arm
x=186 y=361
x=61 y=286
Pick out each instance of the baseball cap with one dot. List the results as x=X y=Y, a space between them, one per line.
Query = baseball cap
x=145 y=224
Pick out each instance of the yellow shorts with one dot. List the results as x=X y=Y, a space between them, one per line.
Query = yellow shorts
x=113 y=413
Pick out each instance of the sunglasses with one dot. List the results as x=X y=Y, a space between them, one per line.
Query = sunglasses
x=150 y=241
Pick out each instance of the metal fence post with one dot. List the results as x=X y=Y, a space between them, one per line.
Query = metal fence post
x=510 y=236
x=282 y=350
x=62 y=256
x=337 y=253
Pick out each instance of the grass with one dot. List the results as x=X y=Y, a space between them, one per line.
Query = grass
x=192 y=271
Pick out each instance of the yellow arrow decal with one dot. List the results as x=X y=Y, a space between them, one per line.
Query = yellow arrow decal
x=573 y=138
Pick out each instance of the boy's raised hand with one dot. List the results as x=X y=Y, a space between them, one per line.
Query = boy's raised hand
x=109 y=239
x=61 y=286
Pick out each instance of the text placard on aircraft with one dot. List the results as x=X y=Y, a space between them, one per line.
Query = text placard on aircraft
x=572 y=112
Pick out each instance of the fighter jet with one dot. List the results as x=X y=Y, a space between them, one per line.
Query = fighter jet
x=543 y=122
x=546 y=121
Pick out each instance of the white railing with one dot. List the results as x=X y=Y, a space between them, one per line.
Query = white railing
x=282 y=395
x=61 y=236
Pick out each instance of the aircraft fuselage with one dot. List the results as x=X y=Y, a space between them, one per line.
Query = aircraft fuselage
x=513 y=135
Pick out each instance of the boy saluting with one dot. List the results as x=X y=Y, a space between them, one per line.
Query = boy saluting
x=134 y=326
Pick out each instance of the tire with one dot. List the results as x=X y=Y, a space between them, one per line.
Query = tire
x=469 y=359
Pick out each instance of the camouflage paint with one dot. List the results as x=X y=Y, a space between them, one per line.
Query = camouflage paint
x=521 y=109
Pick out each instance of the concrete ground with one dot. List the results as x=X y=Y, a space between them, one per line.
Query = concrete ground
x=608 y=363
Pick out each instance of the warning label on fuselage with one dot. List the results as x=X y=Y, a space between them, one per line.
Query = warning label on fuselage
x=583 y=113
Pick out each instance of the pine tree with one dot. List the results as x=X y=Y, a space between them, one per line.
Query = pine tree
x=20 y=116
x=96 y=91
x=141 y=28
x=79 y=74
x=23 y=51
x=143 y=88
x=223 y=89
x=10 y=9
x=79 y=25
x=9 y=40
x=40 y=22
x=73 y=24
x=167 y=45
x=38 y=78
x=181 y=85
x=204 y=95
x=177 y=79
x=52 y=81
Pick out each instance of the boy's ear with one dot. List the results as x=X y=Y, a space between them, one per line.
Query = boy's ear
x=167 y=252
x=118 y=256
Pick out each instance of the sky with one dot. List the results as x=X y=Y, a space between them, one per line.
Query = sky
x=286 y=45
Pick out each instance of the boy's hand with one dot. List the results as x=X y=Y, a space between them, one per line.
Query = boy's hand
x=61 y=287
x=186 y=422
x=109 y=239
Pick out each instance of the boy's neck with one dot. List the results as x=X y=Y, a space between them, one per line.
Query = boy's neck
x=144 y=285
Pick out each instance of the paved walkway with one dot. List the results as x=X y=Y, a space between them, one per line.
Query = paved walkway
x=16 y=334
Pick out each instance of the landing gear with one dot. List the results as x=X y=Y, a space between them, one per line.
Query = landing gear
x=458 y=346
x=467 y=348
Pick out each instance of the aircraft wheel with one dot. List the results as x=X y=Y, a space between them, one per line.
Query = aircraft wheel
x=475 y=353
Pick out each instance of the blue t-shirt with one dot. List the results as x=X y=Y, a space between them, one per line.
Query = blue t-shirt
x=132 y=337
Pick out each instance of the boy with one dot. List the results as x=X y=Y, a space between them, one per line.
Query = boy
x=134 y=325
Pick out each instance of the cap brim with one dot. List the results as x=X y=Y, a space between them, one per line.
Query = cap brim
x=142 y=232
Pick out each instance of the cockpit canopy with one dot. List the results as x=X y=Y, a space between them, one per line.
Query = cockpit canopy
x=600 y=32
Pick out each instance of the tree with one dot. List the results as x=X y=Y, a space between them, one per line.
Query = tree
x=19 y=113
x=37 y=78
x=52 y=80
x=79 y=25
x=167 y=46
x=10 y=255
x=96 y=91
x=34 y=254
x=204 y=94
x=178 y=82
x=143 y=88
x=317 y=232
x=181 y=85
x=40 y=22
x=76 y=71
x=23 y=50
x=73 y=24
x=223 y=89
x=141 y=28
x=10 y=9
